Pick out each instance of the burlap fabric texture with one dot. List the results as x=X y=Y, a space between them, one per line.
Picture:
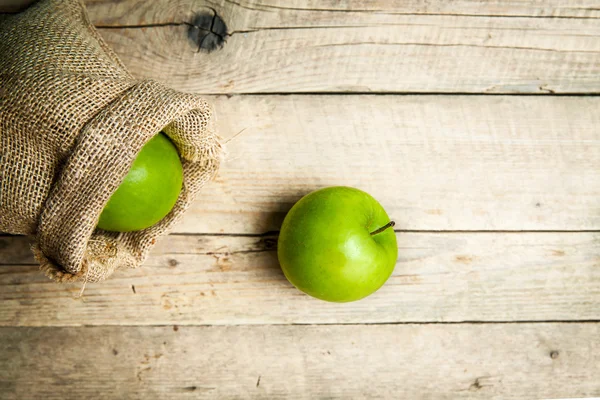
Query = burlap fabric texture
x=72 y=120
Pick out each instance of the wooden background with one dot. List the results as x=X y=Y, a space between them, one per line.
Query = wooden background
x=476 y=125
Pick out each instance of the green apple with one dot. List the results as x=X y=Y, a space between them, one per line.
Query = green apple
x=336 y=244
x=148 y=192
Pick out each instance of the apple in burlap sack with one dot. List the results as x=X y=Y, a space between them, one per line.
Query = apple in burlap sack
x=72 y=122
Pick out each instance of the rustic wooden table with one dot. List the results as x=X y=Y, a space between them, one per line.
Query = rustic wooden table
x=477 y=126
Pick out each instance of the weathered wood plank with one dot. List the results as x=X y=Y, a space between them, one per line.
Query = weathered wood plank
x=228 y=280
x=379 y=46
x=434 y=162
x=271 y=12
x=508 y=361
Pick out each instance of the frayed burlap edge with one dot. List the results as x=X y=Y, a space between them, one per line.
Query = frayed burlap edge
x=105 y=251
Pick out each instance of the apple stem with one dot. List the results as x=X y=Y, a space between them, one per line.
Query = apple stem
x=383 y=228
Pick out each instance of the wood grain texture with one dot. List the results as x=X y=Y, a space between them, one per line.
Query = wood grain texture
x=229 y=280
x=499 y=361
x=407 y=47
x=434 y=162
x=113 y=13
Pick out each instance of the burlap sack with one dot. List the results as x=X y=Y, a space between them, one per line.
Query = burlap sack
x=72 y=120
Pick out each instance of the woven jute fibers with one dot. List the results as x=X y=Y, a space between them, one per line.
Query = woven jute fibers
x=72 y=120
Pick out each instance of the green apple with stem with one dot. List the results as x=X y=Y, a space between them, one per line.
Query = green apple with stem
x=337 y=244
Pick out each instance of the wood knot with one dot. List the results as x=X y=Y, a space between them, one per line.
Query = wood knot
x=554 y=354
x=208 y=31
